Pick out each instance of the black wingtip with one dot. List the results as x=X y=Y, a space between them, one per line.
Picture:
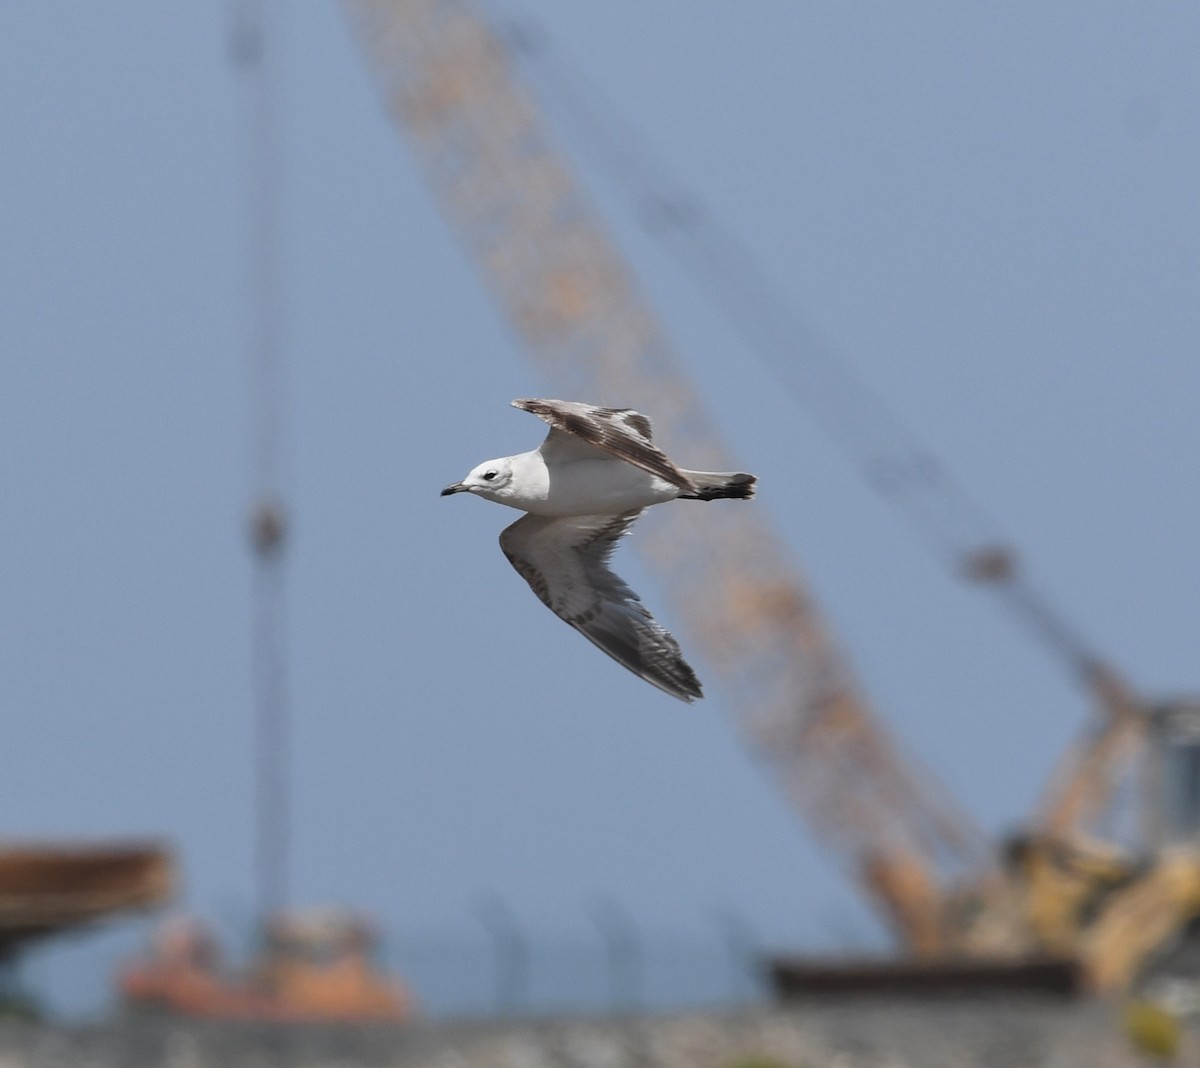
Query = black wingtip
x=678 y=680
x=739 y=487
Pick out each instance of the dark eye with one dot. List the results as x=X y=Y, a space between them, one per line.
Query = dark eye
x=488 y=476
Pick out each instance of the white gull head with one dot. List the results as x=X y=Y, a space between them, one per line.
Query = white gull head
x=489 y=480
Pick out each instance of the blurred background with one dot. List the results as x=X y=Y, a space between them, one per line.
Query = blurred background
x=989 y=213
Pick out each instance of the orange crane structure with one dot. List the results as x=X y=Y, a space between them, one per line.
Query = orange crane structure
x=573 y=301
x=942 y=886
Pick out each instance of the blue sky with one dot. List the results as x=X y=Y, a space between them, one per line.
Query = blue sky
x=990 y=208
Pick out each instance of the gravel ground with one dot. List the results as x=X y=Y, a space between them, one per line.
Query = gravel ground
x=862 y=1034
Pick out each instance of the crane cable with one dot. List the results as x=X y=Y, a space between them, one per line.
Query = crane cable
x=890 y=457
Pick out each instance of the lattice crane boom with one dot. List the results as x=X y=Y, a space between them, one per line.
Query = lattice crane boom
x=564 y=289
x=890 y=456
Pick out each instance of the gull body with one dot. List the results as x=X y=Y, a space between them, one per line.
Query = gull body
x=581 y=490
x=600 y=486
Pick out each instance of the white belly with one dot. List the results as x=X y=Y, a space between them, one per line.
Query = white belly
x=597 y=487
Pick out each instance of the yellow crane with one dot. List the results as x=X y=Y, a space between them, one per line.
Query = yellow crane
x=945 y=890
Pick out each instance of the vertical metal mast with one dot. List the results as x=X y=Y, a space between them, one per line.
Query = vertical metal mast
x=251 y=54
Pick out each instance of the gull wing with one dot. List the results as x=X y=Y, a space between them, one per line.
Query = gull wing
x=565 y=562
x=579 y=430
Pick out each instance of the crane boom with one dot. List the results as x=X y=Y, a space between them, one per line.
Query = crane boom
x=557 y=278
x=1082 y=786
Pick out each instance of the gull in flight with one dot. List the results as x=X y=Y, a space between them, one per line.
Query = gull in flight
x=582 y=488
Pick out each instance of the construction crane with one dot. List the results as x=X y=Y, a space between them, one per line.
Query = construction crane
x=1059 y=845
x=943 y=888
x=891 y=458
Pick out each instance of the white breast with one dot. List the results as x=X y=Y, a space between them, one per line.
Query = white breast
x=594 y=487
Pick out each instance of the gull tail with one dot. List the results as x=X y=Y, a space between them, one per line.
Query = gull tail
x=713 y=485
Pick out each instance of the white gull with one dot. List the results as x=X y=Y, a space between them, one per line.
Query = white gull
x=582 y=488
